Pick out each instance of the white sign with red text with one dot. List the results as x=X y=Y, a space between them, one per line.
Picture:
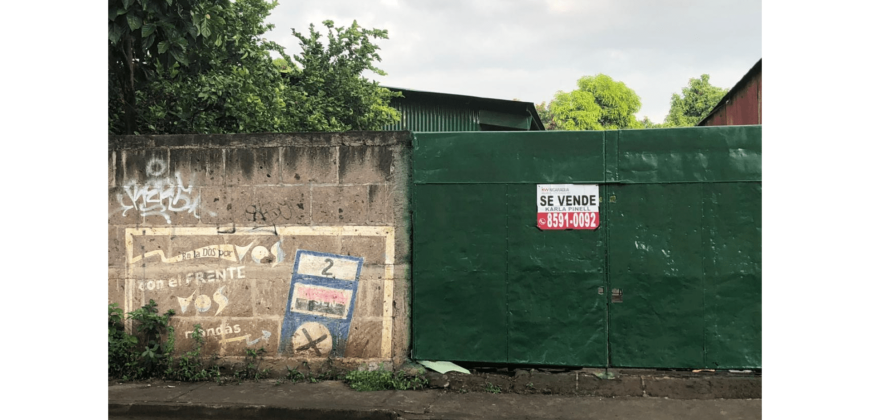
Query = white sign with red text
x=568 y=206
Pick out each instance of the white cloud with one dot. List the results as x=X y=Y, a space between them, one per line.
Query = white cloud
x=529 y=49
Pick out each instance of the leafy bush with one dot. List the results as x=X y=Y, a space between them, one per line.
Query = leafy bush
x=122 y=358
x=153 y=328
x=145 y=354
x=148 y=353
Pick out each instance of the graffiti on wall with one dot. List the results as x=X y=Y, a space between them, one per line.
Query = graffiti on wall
x=246 y=289
x=195 y=277
x=222 y=331
x=204 y=299
x=160 y=194
x=203 y=303
x=259 y=255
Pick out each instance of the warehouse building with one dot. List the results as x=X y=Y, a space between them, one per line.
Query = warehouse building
x=434 y=111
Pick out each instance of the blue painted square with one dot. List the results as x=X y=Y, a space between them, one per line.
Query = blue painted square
x=320 y=304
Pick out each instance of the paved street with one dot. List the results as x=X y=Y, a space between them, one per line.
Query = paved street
x=332 y=399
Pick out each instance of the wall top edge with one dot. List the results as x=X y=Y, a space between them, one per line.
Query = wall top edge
x=205 y=141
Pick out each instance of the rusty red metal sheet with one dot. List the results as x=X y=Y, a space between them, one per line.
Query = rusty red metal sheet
x=743 y=109
x=759 y=98
x=742 y=105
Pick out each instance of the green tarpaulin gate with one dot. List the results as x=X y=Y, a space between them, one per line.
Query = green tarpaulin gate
x=670 y=279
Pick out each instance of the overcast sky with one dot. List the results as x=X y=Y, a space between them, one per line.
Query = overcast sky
x=528 y=49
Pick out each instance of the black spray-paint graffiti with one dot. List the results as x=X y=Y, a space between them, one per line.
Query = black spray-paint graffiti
x=160 y=194
x=270 y=212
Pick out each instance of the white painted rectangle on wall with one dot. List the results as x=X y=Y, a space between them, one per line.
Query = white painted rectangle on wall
x=332 y=267
x=346 y=268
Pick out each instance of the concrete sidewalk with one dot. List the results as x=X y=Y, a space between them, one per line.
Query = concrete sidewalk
x=334 y=399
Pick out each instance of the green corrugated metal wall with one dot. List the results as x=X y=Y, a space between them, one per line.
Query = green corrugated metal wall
x=434 y=116
x=680 y=236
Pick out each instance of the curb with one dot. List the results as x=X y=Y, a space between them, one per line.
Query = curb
x=586 y=384
x=232 y=411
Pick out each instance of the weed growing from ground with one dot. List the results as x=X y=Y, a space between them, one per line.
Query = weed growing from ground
x=122 y=359
x=329 y=373
x=294 y=375
x=153 y=327
x=492 y=389
x=251 y=368
x=145 y=354
x=190 y=366
x=149 y=352
x=380 y=380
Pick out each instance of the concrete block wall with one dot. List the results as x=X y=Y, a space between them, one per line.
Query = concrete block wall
x=210 y=226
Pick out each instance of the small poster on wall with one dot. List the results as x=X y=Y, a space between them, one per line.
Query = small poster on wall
x=568 y=207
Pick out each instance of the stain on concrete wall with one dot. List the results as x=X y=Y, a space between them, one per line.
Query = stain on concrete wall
x=297 y=242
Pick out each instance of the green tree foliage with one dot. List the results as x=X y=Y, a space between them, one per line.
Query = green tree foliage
x=697 y=100
x=334 y=95
x=598 y=103
x=546 y=116
x=647 y=123
x=208 y=69
x=146 y=36
x=283 y=65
